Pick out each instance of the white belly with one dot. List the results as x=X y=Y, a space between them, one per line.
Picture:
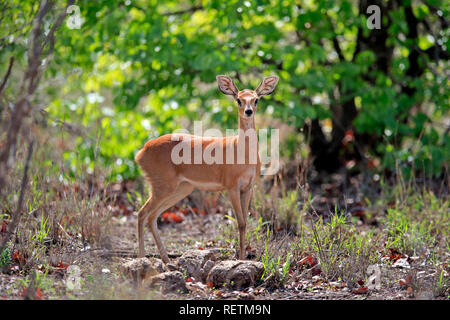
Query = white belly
x=207 y=186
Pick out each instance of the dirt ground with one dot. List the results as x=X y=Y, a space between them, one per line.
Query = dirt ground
x=83 y=270
x=201 y=232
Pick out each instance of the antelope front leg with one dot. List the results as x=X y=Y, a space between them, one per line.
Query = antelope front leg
x=142 y=215
x=235 y=197
x=162 y=250
x=245 y=201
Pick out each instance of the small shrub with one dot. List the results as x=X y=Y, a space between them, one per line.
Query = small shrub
x=343 y=252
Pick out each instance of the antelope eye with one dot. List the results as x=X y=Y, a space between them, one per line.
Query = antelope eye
x=256 y=102
x=239 y=102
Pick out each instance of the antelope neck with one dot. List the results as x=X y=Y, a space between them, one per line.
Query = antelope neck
x=244 y=136
x=246 y=124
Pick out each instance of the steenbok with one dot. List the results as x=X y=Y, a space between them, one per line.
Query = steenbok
x=235 y=168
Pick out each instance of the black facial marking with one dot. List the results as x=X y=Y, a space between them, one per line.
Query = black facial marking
x=239 y=102
x=256 y=102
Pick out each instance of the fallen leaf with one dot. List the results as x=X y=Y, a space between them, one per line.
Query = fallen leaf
x=210 y=284
x=38 y=293
x=124 y=209
x=3 y=226
x=406 y=281
x=175 y=218
x=62 y=265
x=393 y=255
x=361 y=290
x=17 y=256
x=316 y=270
x=410 y=292
x=359 y=213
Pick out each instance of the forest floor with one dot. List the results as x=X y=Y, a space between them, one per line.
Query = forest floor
x=314 y=244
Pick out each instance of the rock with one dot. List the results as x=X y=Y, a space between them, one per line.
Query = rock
x=198 y=263
x=402 y=263
x=207 y=267
x=235 y=273
x=246 y=296
x=171 y=281
x=171 y=267
x=142 y=268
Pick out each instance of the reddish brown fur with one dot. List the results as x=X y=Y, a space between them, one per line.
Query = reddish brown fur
x=156 y=152
x=172 y=182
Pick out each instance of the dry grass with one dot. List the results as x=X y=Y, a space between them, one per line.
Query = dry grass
x=301 y=232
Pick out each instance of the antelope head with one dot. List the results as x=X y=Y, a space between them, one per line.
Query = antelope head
x=247 y=100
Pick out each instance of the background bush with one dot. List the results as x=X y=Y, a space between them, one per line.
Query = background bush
x=138 y=69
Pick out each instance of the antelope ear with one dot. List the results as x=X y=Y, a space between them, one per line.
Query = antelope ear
x=227 y=86
x=267 y=86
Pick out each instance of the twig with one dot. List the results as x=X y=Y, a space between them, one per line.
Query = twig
x=50 y=38
x=8 y=72
x=16 y=215
x=336 y=45
x=192 y=210
x=30 y=81
x=64 y=230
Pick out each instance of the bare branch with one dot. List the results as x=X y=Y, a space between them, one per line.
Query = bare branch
x=16 y=215
x=336 y=44
x=8 y=72
x=22 y=106
x=51 y=35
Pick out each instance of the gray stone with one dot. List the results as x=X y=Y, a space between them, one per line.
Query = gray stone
x=142 y=268
x=197 y=263
x=207 y=267
x=235 y=273
x=167 y=282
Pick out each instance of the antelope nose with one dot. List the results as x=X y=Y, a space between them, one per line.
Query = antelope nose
x=249 y=112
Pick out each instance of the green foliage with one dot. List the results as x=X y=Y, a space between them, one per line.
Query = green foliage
x=5 y=258
x=342 y=252
x=273 y=266
x=283 y=213
x=416 y=225
x=43 y=230
x=138 y=69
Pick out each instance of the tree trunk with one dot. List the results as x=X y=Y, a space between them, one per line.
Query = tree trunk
x=328 y=155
